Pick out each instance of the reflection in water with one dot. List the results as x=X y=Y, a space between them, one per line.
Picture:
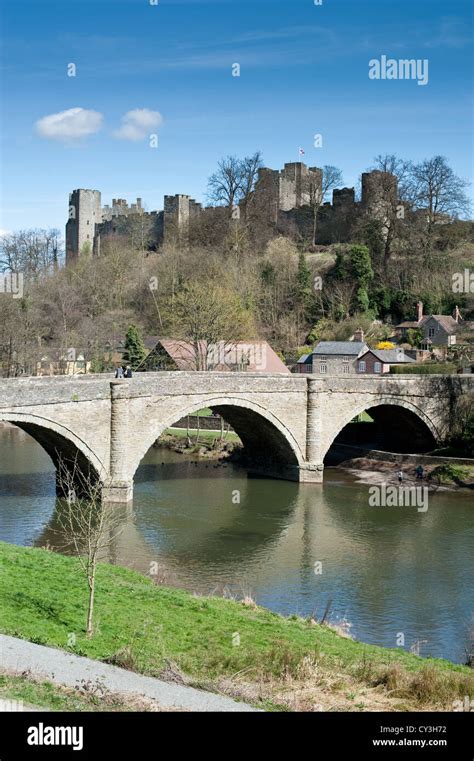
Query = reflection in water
x=386 y=570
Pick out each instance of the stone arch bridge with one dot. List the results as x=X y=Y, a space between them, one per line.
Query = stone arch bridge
x=287 y=423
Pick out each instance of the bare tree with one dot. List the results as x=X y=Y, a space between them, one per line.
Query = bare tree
x=390 y=163
x=250 y=166
x=223 y=186
x=31 y=251
x=88 y=525
x=234 y=180
x=206 y=317
x=317 y=194
x=439 y=191
x=339 y=299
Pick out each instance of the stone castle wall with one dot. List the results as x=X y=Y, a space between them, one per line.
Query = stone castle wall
x=281 y=201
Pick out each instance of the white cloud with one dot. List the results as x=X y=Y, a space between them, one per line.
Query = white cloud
x=137 y=124
x=70 y=125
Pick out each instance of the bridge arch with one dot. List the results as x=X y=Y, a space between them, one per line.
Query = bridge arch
x=407 y=412
x=58 y=442
x=265 y=438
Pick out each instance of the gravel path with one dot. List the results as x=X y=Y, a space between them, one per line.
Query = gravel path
x=65 y=668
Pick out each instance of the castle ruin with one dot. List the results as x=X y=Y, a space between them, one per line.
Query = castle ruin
x=283 y=200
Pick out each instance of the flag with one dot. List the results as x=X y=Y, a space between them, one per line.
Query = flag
x=301 y=151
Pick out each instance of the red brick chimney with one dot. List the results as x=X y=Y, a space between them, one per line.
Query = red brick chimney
x=457 y=313
x=419 y=311
x=359 y=335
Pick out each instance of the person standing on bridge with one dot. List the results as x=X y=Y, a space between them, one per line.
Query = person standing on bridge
x=119 y=372
x=128 y=372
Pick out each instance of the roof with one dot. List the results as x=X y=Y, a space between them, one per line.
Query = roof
x=353 y=348
x=445 y=320
x=391 y=356
x=256 y=356
x=304 y=359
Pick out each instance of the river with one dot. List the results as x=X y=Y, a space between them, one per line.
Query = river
x=295 y=548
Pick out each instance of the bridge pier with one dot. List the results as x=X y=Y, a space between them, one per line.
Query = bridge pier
x=119 y=487
x=312 y=470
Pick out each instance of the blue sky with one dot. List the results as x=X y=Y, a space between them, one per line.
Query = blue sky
x=304 y=70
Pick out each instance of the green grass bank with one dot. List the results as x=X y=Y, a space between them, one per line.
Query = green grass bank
x=233 y=647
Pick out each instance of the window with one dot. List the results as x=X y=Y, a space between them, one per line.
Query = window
x=377 y=367
x=323 y=369
x=431 y=332
x=362 y=367
x=323 y=359
x=345 y=369
x=345 y=359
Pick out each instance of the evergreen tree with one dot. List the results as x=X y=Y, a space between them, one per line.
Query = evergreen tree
x=135 y=351
x=361 y=266
x=304 y=288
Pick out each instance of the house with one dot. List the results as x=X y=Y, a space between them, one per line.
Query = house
x=222 y=356
x=62 y=362
x=438 y=330
x=334 y=357
x=376 y=361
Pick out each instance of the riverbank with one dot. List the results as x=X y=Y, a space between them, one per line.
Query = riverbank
x=205 y=444
x=223 y=645
x=445 y=477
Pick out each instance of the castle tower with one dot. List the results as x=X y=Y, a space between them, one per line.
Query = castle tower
x=299 y=184
x=294 y=186
x=85 y=213
x=178 y=210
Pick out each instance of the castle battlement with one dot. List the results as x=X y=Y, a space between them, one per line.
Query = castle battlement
x=278 y=198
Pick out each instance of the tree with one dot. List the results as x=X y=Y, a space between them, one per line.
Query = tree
x=234 y=180
x=385 y=345
x=304 y=286
x=361 y=265
x=390 y=163
x=332 y=178
x=31 y=251
x=87 y=525
x=207 y=315
x=223 y=186
x=139 y=228
x=317 y=194
x=439 y=191
x=372 y=235
x=415 y=337
x=388 y=209
x=249 y=168
x=135 y=351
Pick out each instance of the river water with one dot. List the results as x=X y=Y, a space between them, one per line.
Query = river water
x=295 y=548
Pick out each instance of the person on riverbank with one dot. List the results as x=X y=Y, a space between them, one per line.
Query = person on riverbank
x=419 y=473
x=400 y=476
